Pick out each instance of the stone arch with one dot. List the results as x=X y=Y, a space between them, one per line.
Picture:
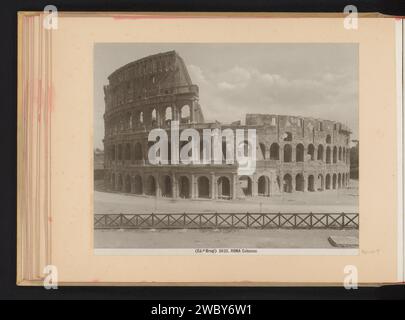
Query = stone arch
x=334 y=181
x=343 y=180
x=311 y=151
x=274 y=151
x=311 y=183
x=184 y=187
x=287 y=183
x=167 y=189
x=321 y=182
x=263 y=186
x=185 y=115
x=299 y=182
x=320 y=152
x=246 y=148
x=153 y=117
x=328 y=139
x=151 y=186
x=138 y=187
x=287 y=153
x=328 y=154
x=127 y=184
x=327 y=182
x=224 y=188
x=299 y=153
x=339 y=181
x=203 y=185
x=340 y=154
x=140 y=118
x=246 y=185
x=168 y=115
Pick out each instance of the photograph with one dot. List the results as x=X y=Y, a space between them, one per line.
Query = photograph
x=238 y=146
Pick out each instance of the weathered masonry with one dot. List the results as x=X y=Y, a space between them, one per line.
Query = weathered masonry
x=294 y=154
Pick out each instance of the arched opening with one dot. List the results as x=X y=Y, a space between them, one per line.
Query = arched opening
x=311 y=183
x=127 y=187
x=343 y=180
x=320 y=152
x=328 y=154
x=151 y=186
x=246 y=185
x=287 y=136
x=138 y=188
x=299 y=182
x=311 y=152
x=334 y=180
x=119 y=183
x=184 y=187
x=168 y=115
x=203 y=184
x=127 y=153
x=246 y=147
x=340 y=154
x=167 y=187
x=274 y=151
x=339 y=181
x=334 y=154
x=287 y=153
x=185 y=114
x=224 y=188
x=287 y=183
x=327 y=183
x=154 y=118
x=263 y=186
x=321 y=185
x=140 y=117
x=299 y=155
x=263 y=150
x=328 y=139
x=138 y=153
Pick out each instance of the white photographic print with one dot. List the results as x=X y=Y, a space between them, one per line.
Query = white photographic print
x=204 y=148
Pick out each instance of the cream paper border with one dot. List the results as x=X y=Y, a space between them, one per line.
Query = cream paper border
x=72 y=158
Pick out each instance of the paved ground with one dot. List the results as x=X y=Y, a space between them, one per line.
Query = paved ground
x=324 y=202
x=243 y=238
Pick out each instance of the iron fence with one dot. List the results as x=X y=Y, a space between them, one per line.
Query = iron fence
x=227 y=221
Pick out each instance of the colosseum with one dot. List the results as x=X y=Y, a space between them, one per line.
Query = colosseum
x=294 y=154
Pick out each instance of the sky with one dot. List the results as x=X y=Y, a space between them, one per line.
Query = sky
x=312 y=80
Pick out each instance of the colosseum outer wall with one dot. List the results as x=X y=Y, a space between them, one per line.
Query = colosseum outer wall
x=294 y=154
